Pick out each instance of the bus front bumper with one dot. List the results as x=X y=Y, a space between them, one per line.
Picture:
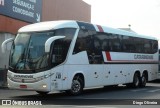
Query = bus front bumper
x=42 y=85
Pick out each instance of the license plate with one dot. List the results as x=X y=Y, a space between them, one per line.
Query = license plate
x=23 y=86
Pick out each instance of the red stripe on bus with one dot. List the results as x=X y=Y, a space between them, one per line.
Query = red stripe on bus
x=100 y=28
x=131 y=62
x=108 y=56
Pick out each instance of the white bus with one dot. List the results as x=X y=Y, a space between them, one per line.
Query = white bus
x=73 y=55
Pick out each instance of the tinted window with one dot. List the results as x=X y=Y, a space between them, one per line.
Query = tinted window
x=60 y=47
x=94 y=43
x=120 y=43
x=84 y=42
x=89 y=42
x=128 y=44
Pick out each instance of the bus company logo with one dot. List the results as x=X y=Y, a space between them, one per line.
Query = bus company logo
x=23 y=76
x=1 y=2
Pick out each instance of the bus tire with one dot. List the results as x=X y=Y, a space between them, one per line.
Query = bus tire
x=42 y=92
x=77 y=86
x=143 y=80
x=136 y=81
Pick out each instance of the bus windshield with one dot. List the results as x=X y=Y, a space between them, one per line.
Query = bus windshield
x=28 y=50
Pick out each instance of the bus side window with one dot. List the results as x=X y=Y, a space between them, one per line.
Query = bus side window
x=154 y=46
x=60 y=47
x=147 y=47
x=115 y=43
x=83 y=42
x=103 y=40
x=58 y=55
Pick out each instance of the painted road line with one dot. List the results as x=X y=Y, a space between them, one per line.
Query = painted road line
x=137 y=90
x=155 y=90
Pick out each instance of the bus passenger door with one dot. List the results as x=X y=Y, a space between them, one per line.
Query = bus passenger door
x=59 y=50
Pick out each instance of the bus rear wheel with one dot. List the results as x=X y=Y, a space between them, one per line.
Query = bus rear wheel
x=77 y=86
x=136 y=80
x=143 y=80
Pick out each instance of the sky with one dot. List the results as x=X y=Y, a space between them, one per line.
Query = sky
x=142 y=15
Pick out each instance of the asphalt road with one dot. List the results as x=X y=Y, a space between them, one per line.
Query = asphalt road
x=95 y=98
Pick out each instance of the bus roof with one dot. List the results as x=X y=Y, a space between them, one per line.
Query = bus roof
x=50 y=25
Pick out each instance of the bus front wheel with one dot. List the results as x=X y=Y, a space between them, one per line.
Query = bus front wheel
x=77 y=86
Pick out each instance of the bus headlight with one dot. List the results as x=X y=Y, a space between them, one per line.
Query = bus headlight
x=9 y=75
x=44 y=86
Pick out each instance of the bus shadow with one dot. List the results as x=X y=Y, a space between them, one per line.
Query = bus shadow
x=155 y=81
x=105 y=93
x=67 y=99
x=65 y=95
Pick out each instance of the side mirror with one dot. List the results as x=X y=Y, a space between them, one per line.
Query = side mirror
x=4 y=44
x=49 y=42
